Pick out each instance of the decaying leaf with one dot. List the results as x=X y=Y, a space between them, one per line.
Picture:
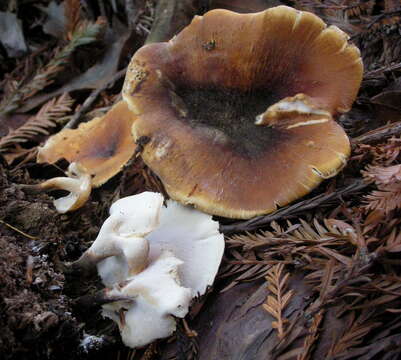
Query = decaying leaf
x=11 y=35
x=96 y=76
x=55 y=24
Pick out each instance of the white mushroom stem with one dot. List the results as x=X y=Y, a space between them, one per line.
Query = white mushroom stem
x=78 y=184
x=120 y=245
x=159 y=258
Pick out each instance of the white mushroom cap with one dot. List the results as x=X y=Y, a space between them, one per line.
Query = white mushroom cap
x=157 y=297
x=194 y=238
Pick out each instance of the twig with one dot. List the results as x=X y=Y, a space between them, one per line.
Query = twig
x=30 y=261
x=378 y=134
x=295 y=209
x=19 y=231
x=381 y=70
x=75 y=120
x=100 y=298
x=382 y=16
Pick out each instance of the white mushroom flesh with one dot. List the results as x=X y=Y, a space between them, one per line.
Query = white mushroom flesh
x=157 y=297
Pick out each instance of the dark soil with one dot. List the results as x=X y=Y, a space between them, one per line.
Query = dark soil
x=39 y=317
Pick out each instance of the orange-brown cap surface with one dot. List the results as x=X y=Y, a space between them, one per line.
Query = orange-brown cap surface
x=101 y=147
x=239 y=108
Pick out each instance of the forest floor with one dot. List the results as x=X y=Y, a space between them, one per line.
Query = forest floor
x=334 y=254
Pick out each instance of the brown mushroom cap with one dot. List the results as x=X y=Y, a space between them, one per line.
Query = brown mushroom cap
x=101 y=147
x=200 y=97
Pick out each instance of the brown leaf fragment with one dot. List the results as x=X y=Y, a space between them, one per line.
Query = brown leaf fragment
x=383 y=175
x=387 y=197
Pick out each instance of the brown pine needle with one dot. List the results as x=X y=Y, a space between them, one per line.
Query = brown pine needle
x=276 y=303
x=18 y=230
x=313 y=335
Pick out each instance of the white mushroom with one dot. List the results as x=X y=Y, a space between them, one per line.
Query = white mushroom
x=159 y=258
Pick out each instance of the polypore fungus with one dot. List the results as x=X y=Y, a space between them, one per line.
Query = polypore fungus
x=238 y=108
x=155 y=259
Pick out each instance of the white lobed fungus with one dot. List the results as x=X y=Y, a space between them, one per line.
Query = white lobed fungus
x=156 y=258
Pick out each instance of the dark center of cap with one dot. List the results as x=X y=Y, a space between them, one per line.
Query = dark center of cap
x=228 y=116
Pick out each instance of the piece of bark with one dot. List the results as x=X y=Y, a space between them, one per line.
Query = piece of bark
x=234 y=326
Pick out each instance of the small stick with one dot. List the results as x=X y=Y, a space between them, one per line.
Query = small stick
x=19 y=231
x=100 y=298
x=293 y=210
x=378 y=134
x=75 y=120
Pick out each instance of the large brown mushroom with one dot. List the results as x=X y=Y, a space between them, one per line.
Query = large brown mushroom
x=238 y=108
